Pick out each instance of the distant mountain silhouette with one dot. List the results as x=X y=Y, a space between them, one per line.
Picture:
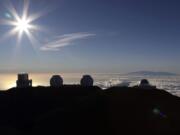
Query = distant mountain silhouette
x=151 y=73
x=75 y=109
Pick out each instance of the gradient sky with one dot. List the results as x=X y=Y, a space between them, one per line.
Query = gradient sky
x=102 y=36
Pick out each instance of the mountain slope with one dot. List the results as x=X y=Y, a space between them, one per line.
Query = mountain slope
x=151 y=73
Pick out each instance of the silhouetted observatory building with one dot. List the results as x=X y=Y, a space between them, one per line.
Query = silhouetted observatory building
x=87 y=80
x=56 y=81
x=144 y=83
x=23 y=81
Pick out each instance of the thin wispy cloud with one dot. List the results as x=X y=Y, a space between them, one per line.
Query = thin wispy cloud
x=65 y=40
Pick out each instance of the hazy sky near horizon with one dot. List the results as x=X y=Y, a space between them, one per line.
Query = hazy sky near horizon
x=94 y=36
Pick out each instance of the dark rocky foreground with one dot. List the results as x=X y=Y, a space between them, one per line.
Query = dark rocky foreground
x=88 y=111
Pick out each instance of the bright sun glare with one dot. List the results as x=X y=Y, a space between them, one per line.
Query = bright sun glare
x=21 y=24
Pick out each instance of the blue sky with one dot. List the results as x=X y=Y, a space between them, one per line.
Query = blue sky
x=103 y=36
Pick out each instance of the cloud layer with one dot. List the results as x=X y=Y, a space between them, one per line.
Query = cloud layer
x=65 y=40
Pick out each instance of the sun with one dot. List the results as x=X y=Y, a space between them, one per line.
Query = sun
x=22 y=25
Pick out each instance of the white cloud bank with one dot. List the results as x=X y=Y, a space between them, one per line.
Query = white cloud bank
x=65 y=40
